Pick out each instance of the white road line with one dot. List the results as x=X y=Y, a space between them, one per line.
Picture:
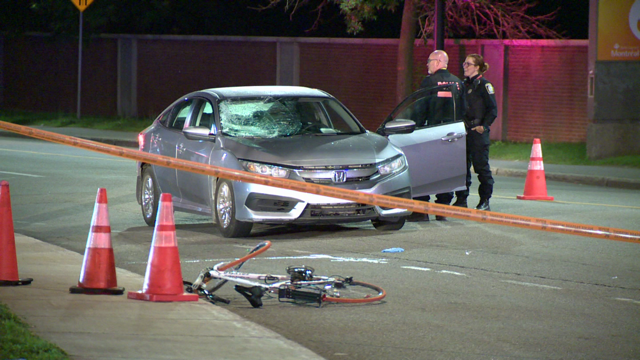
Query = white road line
x=108 y=157
x=438 y=271
x=20 y=174
x=313 y=257
x=629 y=300
x=416 y=268
x=451 y=273
x=531 y=284
x=329 y=257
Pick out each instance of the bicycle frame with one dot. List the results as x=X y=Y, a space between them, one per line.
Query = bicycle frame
x=295 y=286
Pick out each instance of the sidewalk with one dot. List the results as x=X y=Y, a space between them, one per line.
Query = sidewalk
x=608 y=176
x=105 y=327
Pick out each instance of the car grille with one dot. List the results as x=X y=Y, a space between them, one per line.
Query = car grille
x=327 y=175
x=338 y=211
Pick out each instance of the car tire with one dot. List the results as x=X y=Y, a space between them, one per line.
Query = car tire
x=388 y=225
x=149 y=196
x=225 y=212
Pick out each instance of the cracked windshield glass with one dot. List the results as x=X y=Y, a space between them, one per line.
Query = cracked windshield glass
x=282 y=117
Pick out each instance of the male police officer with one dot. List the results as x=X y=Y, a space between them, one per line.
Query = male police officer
x=439 y=75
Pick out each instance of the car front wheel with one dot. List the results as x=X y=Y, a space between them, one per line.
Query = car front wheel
x=149 y=196
x=225 y=212
x=388 y=225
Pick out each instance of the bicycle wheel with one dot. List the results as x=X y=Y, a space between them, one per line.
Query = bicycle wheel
x=237 y=264
x=353 y=292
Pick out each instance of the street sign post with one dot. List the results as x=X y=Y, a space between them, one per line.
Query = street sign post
x=81 y=5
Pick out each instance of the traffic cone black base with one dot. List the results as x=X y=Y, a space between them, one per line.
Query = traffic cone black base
x=18 y=282
x=90 y=291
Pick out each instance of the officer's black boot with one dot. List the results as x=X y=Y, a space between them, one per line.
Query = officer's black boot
x=483 y=205
x=460 y=202
x=418 y=217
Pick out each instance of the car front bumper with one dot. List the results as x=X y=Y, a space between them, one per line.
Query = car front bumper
x=272 y=205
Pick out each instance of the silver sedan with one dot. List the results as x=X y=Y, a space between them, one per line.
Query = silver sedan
x=283 y=131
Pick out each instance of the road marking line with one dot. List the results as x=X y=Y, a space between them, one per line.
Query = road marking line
x=451 y=273
x=438 y=271
x=531 y=284
x=20 y=174
x=416 y=268
x=63 y=155
x=331 y=258
x=313 y=257
x=628 y=300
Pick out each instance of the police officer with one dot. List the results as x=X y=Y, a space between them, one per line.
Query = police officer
x=439 y=75
x=481 y=111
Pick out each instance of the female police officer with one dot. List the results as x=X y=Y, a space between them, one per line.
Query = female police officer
x=481 y=112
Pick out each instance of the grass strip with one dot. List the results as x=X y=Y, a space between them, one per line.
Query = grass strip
x=18 y=342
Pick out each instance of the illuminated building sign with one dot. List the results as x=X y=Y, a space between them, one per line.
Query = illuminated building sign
x=619 y=30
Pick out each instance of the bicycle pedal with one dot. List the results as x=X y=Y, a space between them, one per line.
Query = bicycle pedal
x=253 y=294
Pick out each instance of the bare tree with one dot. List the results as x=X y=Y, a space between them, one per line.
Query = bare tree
x=484 y=19
x=488 y=19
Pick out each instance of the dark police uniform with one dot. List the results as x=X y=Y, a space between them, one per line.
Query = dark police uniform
x=438 y=111
x=481 y=110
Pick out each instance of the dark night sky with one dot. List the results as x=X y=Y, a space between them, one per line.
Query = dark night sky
x=572 y=21
x=232 y=17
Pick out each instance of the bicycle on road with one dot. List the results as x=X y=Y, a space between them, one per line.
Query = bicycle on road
x=300 y=285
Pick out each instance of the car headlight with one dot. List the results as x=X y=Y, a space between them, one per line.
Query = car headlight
x=393 y=166
x=265 y=169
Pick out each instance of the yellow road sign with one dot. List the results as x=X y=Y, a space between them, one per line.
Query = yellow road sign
x=82 y=4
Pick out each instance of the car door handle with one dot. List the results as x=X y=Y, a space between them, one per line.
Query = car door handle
x=452 y=136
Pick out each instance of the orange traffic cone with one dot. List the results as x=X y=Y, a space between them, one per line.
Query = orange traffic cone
x=98 y=273
x=535 y=186
x=8 y=257
x=163 y=277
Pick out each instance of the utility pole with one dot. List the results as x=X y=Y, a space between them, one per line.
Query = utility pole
x=438 y=32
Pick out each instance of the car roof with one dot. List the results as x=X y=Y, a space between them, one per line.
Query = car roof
x=259 y=91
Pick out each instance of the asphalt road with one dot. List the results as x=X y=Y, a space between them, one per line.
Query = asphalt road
x=460 y=290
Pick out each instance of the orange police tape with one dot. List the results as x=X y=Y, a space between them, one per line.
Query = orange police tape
x=602 y=232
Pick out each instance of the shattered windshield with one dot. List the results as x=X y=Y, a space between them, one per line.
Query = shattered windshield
x=278 y=117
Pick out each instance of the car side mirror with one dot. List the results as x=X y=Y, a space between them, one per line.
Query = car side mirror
x=400 y=126
x=198 y=133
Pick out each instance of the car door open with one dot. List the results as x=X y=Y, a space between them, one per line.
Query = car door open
x=436 y=149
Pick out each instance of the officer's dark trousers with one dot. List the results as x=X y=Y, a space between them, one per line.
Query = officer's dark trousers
x=444 y=198
x=478 y=156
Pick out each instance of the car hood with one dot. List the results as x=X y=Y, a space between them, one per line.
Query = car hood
x=334 y=150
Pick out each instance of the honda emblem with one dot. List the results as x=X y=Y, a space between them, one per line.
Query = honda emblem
x=339 y=176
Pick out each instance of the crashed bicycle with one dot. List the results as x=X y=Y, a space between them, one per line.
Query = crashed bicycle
x=300 y=285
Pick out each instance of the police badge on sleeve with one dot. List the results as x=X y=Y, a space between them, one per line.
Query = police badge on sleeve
x=490 y=89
